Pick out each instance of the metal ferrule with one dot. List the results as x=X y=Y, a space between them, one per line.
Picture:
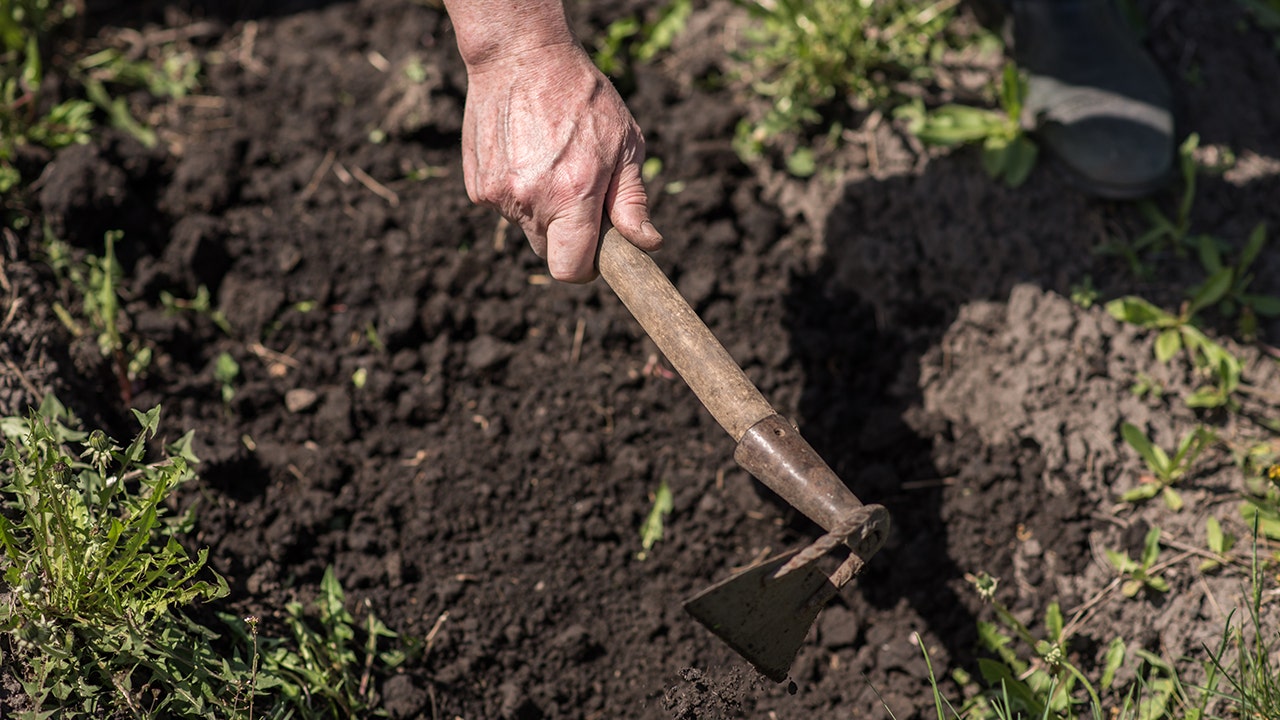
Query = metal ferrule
x=776 y=454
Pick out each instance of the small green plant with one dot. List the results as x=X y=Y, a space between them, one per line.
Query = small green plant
x=28 y=118
x=226 y=371
x=629 y=40
x=1043 y=686
x=24 y=27
x=1240 y=673
x=1140 y=574
x=1007 y=153
x=201 y=305
x=1147 y=386
x=1159 y=692
x=1266 y=13
x=96 y=624
x=424 y=172
x=1084 y=294
x=97 y=281
x=1173 y=232
x=1252 y=676
x=374 y=339
x=1156 y=694
x=1257 y=460
x=1220 y=543
x=1164 y=232
x=651 y=530
x=1178 y=332
x=811 y=58
x=1227 y=286
x=26 y=21
x=327 y=667
x=1165 y=470
x=101 y=578
x=1261 y=505
x=170 y=74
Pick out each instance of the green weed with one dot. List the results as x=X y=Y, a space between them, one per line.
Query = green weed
x=28 y=118
x=1008 y=154
x=809 y=58
x=97 y=281
x=1261 y=505
x=326 y=668
x=97 y=625
x=1084 y=294
x=226 y=371
x=1164 y=232
x=1043 y=686
x=1145 y=386
x=1220 y=543
x=1019 y=687
x=651 y=530
x=629 y=40
x=172 y=74
x=423 y=173
x=24 y=28
x=1033 y=677
x=1178 y=332
x=1227 y=286
x=96 y=621
x=1258 y=461
x=21 y=19
x=1172 y=232
x=1140 y=573
x=1266 y=13
x=374 y=339
x=201 y=305
x=1158 y=693
x=1245 y=657
x=1165 y=470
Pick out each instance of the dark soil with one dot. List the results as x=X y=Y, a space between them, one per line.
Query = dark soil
x=491 y=472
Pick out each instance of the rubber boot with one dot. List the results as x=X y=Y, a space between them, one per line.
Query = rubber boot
x=1095 y=99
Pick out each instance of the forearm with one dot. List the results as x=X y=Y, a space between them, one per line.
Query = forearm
x=491 y=30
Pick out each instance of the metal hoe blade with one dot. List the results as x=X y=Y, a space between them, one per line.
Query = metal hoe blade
x=765 y=611
x=764 y=619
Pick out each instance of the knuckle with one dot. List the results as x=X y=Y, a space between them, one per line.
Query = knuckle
x=485 y=192
x=576 y=184
x=523 y=190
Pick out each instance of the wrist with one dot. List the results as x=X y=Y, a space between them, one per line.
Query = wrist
x=487 y=36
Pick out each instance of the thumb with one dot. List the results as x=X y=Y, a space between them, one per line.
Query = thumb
x=628 y=206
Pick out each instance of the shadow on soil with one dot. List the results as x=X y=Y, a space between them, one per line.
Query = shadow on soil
x=904 y=255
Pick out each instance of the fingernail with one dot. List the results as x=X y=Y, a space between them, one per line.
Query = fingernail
x=650 y=231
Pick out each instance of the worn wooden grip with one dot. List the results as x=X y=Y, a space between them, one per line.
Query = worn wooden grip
x=718 y=381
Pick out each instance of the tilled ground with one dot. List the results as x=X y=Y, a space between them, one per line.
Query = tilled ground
x=495 y=464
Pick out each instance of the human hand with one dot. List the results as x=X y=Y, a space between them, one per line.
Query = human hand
x=548 y=142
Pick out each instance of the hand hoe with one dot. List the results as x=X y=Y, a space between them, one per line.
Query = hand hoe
x=763 y=612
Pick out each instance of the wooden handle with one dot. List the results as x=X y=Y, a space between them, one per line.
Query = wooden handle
x=718 y=381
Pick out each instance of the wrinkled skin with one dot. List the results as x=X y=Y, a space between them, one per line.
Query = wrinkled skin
x=549 y=143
